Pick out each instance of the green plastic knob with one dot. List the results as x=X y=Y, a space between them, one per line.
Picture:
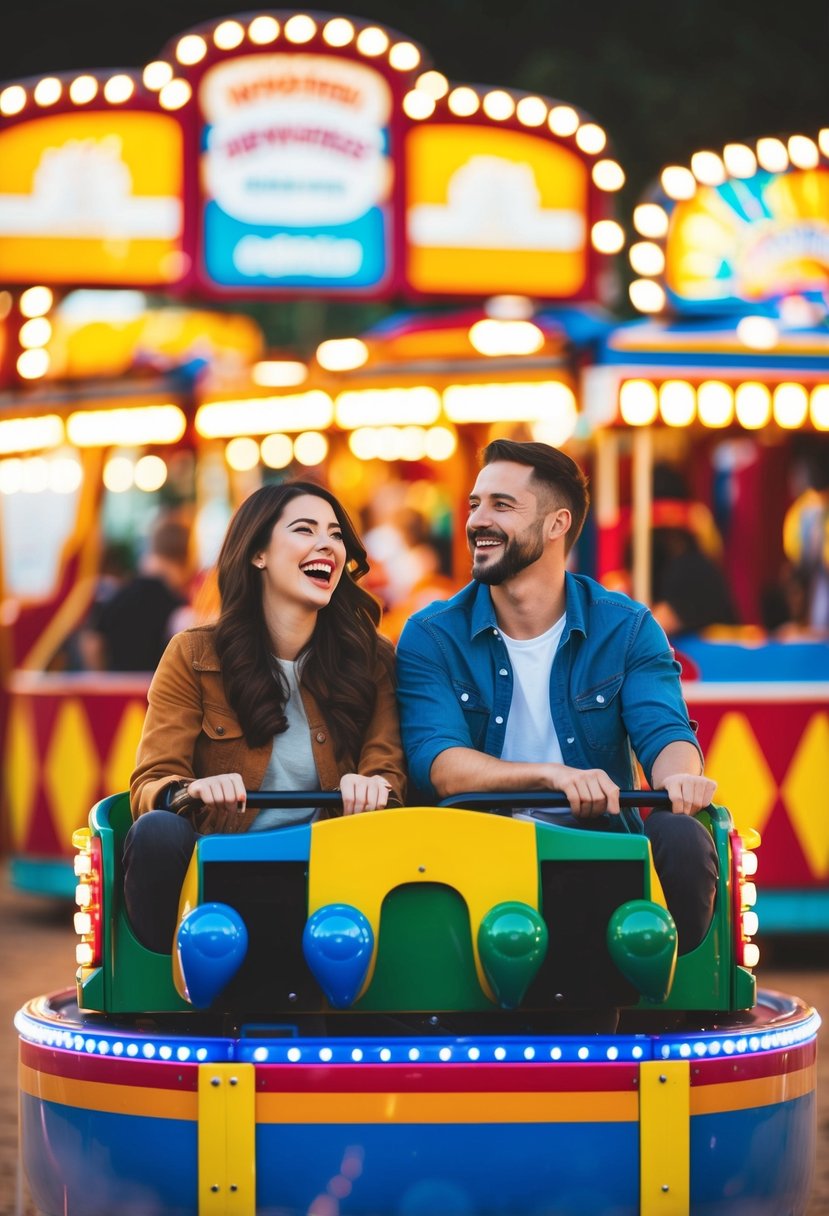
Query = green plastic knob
x=512 y=944
x=641 y=937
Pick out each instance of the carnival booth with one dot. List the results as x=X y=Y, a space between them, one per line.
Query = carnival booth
x=280 y=157
x=396 y=1013
x=727 y=378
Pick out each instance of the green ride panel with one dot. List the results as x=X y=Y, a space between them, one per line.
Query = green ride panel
x=424 y=955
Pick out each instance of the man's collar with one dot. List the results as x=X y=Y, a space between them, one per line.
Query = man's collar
x=483 y=609
x=573 y=606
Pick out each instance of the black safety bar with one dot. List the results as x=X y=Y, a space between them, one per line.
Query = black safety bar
x=546 y=800
x=281 y=800
x=530 y=800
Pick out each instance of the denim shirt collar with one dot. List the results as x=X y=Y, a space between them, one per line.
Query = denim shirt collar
x=483 y=611
x=483 y=618
x=575 y=600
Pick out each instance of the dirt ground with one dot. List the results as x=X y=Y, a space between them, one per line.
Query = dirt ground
x=37 y=955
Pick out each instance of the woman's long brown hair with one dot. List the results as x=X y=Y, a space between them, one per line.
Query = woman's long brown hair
x=339 y=661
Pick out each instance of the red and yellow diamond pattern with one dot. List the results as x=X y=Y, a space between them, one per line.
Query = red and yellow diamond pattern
x=771 y=764
x=62 y=752
x=65 y=749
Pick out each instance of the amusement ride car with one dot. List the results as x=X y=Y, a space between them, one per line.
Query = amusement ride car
x=396 y=1014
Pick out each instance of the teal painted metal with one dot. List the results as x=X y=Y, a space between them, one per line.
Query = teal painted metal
x=41 y=876
x=785 y=912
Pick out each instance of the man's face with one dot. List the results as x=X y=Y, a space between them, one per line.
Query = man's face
x=505 y=528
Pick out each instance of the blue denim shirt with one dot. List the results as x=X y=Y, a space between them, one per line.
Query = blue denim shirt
x=614 y=685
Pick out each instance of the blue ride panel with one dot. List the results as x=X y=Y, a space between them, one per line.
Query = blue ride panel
x=758 y=1161
x=279 y=844
x=94 y=1163
x=449 y=1169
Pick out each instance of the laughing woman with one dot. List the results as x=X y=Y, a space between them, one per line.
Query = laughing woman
x=291 y=689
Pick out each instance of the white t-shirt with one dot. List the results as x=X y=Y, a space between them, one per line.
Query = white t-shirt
x=531 y=733
x=292 y=765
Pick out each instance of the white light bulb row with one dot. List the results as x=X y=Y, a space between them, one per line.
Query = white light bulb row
x=432 y=90
x=158 y=77
x=86 y=898
x=276 y=451
x=35 y=332
x=742 y=161
x=749 y=920
x=370 y=41
x=752 y=404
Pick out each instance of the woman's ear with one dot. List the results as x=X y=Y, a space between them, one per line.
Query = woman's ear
x=258 y=561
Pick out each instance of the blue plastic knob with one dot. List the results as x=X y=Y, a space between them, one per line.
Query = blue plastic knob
x=212 y=942
x=338 y=943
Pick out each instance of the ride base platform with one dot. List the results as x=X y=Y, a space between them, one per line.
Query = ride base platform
x=139 y=1116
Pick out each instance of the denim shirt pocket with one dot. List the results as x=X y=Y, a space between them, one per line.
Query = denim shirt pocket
x=476 y=712
x=600 y=714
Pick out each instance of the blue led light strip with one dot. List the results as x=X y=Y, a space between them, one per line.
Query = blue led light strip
x=484 y=1050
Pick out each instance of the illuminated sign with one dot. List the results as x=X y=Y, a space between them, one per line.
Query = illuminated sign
x=492 y=210
x=749 y=225
x=91 y=197
x=755 y=239
x=296 y=172
x=302 y=154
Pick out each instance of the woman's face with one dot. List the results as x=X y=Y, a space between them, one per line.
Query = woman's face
x=305 y=556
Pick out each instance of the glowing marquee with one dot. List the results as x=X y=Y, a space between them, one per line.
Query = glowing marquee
x=296 y=172
x=91 y=197
x=750 y=240
x=495 y=211
x=280 y=154
x=750 y=226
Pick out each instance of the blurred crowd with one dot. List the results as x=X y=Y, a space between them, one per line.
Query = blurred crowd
x=139 y=601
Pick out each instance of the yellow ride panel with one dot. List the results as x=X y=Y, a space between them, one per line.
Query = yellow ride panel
x=487 y=859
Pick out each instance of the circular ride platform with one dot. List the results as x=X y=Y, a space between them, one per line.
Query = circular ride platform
x=143 y=1116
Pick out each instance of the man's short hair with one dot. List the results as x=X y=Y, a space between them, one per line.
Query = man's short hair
x=170 y=539
x=552 y=470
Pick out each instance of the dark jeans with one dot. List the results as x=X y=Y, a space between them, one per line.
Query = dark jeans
x=159 y=846
x=686 y=862
x=157 y=852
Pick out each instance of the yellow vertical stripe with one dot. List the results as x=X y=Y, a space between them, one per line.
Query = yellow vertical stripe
x=664 y=1138
x=227 y=1140
x=188 y=900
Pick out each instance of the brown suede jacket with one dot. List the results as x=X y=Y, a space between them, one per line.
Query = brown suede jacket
x=191 y=731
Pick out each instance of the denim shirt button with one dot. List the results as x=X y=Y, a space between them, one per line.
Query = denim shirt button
x=503 y=672
x=600 y=699
x=499 y=719
x=571 y=739
x=464 y=696
x=495 y=633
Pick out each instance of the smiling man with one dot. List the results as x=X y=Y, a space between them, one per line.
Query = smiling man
x=533 y=678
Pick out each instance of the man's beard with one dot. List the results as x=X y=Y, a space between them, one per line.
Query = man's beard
x=517 y=554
